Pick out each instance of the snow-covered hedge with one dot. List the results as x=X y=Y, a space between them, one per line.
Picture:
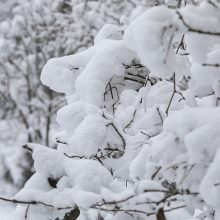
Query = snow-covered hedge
x=141 y=128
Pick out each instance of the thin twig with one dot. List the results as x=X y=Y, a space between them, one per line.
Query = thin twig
x=27 y=148
x=180 y=44
x=211 y=64
x=174 y=92
x=161 y=118
x=26 y=211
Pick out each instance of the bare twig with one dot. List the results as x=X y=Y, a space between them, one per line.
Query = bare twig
x=161 y=118
x=156 y=172
x=180 y=44
x=60 y=141
x=132 y=120
x=27 y=148
x=174 y=92
x=116 y=129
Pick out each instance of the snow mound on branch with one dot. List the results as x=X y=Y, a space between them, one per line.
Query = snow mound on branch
x=106 y=63
x=109 y=31
x=70 y=116
x=90 y=135
x=207 y=73
x=76 y=178
x=186 y=137
x=150 y=35
x=182 y=122
x=201 y=17
x=210 y=186
x=193 y=127
x=64 y=70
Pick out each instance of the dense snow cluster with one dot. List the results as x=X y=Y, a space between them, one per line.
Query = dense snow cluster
x=140 y=135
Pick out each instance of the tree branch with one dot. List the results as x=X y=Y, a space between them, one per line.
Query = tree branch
x=195 y=30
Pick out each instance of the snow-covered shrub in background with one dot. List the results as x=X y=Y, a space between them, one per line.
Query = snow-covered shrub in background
x=141 y=128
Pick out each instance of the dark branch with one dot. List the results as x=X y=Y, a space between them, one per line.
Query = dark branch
x=211 y=64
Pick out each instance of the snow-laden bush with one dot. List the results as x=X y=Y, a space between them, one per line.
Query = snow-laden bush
x=35 y=32
x=141 y=128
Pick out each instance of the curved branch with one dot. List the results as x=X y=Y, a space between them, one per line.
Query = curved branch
x=195 y=30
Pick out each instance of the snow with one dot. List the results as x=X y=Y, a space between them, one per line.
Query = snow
x=210 y=184
x=64 y=70
x=150 y=36
x=105 y=64
x=89 y=136
x=70 y=116
x=7 y=212
x=185 y=121
x=207 y=74
x=140 y=130
x=50 y=168
x=109 y=31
